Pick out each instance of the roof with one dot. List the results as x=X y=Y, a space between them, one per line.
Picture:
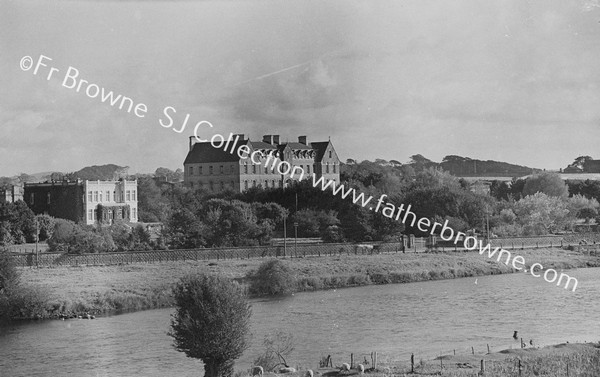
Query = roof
x=262 y=145
x=298 y=146
x=320 y=147
x=205 y=152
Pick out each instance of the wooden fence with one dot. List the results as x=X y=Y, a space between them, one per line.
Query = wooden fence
x=157 y=256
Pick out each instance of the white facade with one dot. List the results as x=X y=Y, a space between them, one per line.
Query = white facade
x=112 y=197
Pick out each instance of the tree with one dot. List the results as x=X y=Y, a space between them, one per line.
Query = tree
x=211 y=322
x=540 y=213
x=277 y=347
x=548 y=183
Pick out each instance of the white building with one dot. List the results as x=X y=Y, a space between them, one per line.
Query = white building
x=108 y=201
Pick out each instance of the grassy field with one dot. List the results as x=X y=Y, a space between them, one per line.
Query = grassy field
x=144 y=286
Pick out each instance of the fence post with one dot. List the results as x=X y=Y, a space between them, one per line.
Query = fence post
x=351 y=360
x=472 y=350
x=482 y=366
x=412 y=363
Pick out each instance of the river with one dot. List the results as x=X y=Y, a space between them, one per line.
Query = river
x=426 y=318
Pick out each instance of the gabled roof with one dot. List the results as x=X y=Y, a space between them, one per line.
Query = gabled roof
x=320 y=147
x=205 y=152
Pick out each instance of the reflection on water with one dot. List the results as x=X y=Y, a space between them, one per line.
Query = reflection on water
x=426 y=318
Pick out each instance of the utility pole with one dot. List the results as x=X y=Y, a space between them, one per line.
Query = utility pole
x=284 y=235
x=37 y=236
x=296 y=229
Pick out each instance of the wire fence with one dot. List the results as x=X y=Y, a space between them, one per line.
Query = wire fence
x=158 y=256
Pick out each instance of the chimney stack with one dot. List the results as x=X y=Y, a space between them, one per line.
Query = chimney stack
x=276 y=139
x=302 y=140
x=193 y=141
x=268 y=139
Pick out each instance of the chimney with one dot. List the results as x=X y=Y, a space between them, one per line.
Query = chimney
x=193 y=141
x=268 y=139
x=240 y=135
x=276 y=139
x=302 y=139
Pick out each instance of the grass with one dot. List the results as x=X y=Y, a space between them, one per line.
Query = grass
x=553 y=361
x=97 y=289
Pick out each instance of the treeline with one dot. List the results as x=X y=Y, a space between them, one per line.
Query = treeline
x=538 y=205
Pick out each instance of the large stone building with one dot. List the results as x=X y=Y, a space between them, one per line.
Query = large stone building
x=87 y=202
x=218 y=169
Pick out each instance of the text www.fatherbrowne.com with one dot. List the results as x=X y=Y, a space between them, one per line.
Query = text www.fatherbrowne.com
x=389 y=210
x=447 y=233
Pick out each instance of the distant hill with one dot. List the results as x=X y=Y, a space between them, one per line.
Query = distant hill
x=468 y=167
x=462 y=166
x=102 y=172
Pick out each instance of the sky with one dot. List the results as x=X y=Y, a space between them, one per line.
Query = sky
x=507 y=80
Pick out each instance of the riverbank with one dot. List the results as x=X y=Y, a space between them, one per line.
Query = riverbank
x=557 y=360
x=133 y=287
x=575 y=359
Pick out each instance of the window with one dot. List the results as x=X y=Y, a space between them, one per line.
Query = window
x=94 y=214
x=133 y=195
x=90 y=215
x=231 y=169
x=266 y=183
x=246 y=183
x=273 y=183
x=114 y=196
x=221 y=169
x=210 y=185
x=245 y=168
x=266 y=170
x=307 y=169
x=108 y=196
x=199 y=170
x=253 y=169
x=127 y=195
x=334 y=168
x=89 y=196
x=329 y=154
x=134 y=213
x=100 y=196
x=210 y=170
x=95 y=196
x=327 y=168
x=48 y=198
x=191 y=170
x=253 y=183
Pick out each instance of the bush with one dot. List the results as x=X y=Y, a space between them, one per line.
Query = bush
x=211 y=322
x=272 y=278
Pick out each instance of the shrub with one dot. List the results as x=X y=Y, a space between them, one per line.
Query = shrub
x=272 y=278
x=211 y=322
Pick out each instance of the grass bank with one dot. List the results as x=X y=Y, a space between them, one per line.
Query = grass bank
x=551 y=361
x=98 y=289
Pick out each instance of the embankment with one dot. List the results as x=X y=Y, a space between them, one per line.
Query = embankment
x=146 y=286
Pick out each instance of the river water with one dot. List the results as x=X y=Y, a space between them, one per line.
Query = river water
x=426 y=318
